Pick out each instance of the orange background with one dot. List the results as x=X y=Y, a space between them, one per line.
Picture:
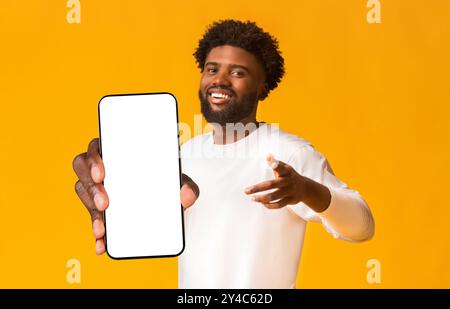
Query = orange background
x=374 y=98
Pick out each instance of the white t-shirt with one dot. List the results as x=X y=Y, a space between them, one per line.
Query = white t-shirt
x=233 y=242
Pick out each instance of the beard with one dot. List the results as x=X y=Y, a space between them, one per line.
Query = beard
x=234 y=112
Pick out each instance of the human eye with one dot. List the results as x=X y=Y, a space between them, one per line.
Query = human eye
x=211 y=69
x=237 y=73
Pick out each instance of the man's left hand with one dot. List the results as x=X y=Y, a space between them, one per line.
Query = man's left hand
x=289 y=188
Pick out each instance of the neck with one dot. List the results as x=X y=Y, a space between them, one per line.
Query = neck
x=233 y=132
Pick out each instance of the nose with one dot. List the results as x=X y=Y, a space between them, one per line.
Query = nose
x=221 y=78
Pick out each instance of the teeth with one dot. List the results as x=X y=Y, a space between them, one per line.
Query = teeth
x=217 y=95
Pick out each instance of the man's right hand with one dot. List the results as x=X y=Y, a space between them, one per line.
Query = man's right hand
x=90 y=171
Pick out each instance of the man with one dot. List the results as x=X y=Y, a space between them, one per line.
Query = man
x=253 y=189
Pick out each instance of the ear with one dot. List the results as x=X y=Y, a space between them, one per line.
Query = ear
x=263 y=93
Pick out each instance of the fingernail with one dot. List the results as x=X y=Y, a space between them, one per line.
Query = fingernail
x=99 y=201
x=95 y=172
x=254 y=198
x=248 y=190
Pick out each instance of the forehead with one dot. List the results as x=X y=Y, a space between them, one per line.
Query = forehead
x=227 y=55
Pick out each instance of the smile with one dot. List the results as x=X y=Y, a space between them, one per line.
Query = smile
x=219 y=96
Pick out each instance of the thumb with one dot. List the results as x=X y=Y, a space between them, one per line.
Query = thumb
x=188 y=196
x=279 y=168
x=189 y=191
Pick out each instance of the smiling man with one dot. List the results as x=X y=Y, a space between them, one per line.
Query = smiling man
x=252 y=187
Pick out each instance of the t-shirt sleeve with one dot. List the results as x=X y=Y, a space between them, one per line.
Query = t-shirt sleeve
x=348 y=216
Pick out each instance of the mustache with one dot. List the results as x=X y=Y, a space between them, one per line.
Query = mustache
x=220 y=87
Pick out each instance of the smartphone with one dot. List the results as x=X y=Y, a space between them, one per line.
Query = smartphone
x=139 y=145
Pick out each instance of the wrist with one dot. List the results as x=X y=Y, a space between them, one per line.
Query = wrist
x=317 y=196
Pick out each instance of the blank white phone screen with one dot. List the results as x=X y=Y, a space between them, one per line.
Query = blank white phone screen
x=140 y=152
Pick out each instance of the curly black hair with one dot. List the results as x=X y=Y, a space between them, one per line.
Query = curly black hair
x=248 y=36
